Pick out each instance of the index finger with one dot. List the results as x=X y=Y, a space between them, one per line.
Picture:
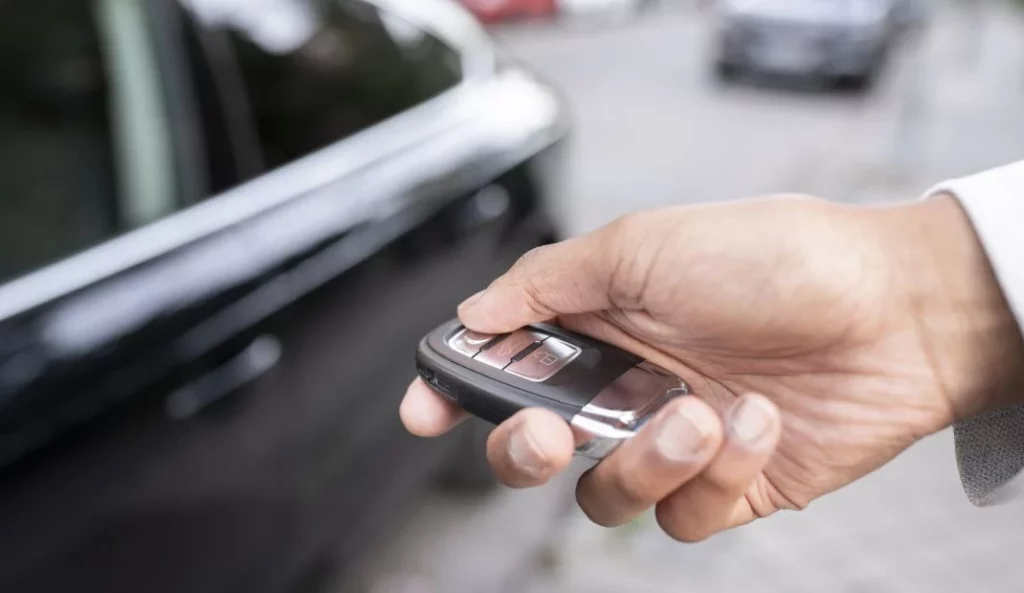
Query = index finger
x=426 y=414
x=577 y=275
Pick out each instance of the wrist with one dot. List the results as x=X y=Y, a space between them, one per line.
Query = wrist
x=945 y=287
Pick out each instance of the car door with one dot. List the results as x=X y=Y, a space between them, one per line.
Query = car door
x=419 y=204
x=198 y=393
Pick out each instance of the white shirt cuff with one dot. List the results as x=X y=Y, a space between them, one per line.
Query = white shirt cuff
x=994 y=201
x=990 y=448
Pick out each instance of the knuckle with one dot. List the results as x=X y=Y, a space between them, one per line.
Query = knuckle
x=625 y=222
x=530 y=277
x=628 y=225
x=527 y=259
x=778 y=500
x=536 y=299
x=622 y=242
x=762 y=500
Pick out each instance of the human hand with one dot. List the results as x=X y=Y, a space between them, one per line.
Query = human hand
x=820 y=340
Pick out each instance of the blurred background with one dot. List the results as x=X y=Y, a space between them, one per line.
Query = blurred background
x=225 y=225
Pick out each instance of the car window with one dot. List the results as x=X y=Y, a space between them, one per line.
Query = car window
x=84 y=148
x=313 y=72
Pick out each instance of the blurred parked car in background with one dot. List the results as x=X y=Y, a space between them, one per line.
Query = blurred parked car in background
x=493 y=11
x=224 y=227
x=834 y=41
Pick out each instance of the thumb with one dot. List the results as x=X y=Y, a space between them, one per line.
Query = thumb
x=574 y=276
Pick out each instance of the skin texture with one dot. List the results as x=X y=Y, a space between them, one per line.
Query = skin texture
x=820 y=340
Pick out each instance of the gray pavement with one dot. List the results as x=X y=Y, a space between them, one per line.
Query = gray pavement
x=653 y=129
x=906 y=528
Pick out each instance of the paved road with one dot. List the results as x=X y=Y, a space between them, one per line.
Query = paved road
x=652 y=129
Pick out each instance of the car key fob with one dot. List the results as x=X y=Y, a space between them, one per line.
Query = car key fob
x=605 y=393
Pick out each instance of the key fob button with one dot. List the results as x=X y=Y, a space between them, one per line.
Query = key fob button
x=501 y=354
x=542 y=364
x=469 y=342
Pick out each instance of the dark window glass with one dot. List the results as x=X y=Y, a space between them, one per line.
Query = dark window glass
x=313 y=72
x=71 y=108
x=56 y=171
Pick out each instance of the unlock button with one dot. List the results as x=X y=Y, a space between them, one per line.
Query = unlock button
x=500 y=354
x=542 y=364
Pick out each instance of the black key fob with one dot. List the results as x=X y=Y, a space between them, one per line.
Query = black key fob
x=605 y=393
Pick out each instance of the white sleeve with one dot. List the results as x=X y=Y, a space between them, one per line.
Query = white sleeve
x=990 y=448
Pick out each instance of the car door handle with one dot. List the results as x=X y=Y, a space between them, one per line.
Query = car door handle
x=261 y=355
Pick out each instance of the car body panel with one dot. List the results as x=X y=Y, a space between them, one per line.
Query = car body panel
x=209 y=402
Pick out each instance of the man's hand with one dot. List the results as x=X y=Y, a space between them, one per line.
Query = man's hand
x=821 y=341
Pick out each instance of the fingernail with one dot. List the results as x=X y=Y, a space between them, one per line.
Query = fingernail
x=680 y=436
x=525 y=453
x=751 y=422
x=472 y=300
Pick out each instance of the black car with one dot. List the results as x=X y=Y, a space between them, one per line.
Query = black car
x=224 y=226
